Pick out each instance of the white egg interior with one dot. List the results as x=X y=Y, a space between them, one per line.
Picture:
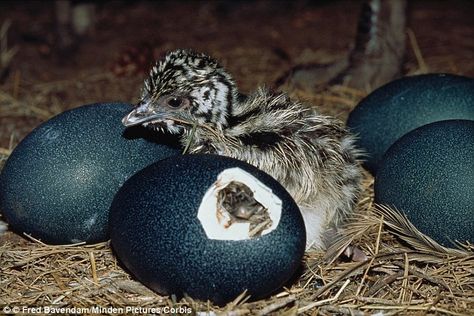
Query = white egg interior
x=209 y=216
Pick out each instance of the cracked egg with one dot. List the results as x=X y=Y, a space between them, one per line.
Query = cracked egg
x=238 y=206
x=209 y=227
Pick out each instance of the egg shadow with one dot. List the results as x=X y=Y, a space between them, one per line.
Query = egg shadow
x=157 y=137
x=294 y=278
x=123 y=266
x=174 y=295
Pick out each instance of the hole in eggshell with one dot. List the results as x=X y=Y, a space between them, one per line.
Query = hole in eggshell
x=238 y=206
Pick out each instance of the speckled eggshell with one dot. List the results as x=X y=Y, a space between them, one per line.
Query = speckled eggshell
x=59 y=182
x=402 y=105
x=156 y=234
x=429 y=174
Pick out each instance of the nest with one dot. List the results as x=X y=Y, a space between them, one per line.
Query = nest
x=406 y=272
x=402 y=275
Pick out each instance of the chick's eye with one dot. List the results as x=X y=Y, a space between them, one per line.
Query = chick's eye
x=176 y=102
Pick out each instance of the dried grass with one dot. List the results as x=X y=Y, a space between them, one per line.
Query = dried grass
x=6 y=52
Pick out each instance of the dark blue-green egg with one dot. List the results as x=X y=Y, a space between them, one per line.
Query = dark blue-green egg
x=59 y=182
x=402 y=105
x=166 y=228
x=429 y=175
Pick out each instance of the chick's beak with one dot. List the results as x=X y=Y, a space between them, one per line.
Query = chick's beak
x=142 y=114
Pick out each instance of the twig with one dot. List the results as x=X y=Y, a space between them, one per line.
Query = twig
x=5 y=151
x=323 y=302
x=59 y=282
x=6 y=54
x=132 y=287
x=242 y=298
x=381 y=283
x=421 y=274
x=276 y=305
x=332 y=309
x=379 y=235
x=93 y=267
x=417 y=307
x=416 y=49
x=364 y=277
x=403 y=290
x=344 y=274
x=376 y=300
